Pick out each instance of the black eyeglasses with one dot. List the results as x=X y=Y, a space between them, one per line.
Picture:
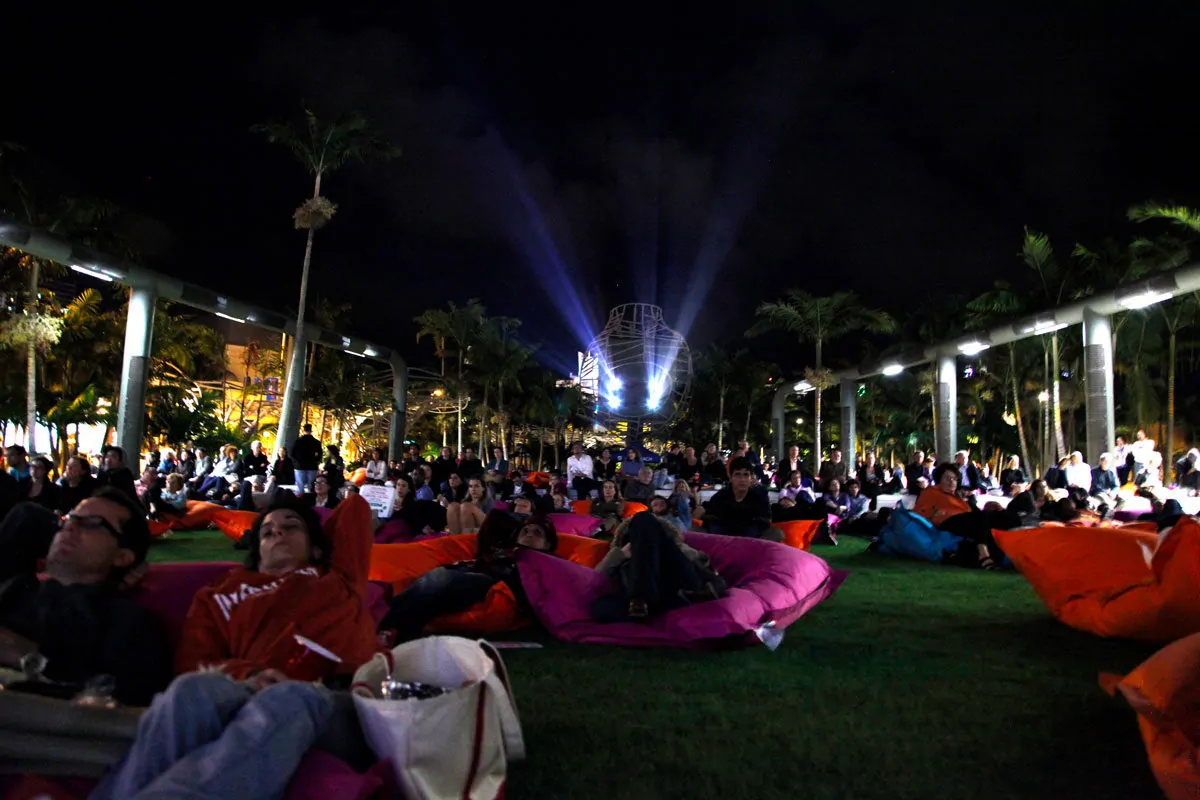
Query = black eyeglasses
x=91 y=522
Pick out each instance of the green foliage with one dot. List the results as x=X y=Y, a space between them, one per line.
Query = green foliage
x=326 y=146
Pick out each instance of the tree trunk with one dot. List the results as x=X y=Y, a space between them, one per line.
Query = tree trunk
x=749 y=408
x=1168 y=453
x=1016 y=390
x=460 y=399
x=817 y=417
x=541 y=446
x=500 y=404
x=1058 y=425
x=62 y=447
x=721 y=422
x=31 y=364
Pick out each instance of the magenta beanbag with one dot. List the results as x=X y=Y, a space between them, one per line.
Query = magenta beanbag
x=168 y=589
x=578 y=524
x=767 y=582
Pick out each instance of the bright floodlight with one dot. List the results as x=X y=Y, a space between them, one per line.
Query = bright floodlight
x=1142 y=299
x=973 y=347
x=893 y=369
x=95 y=273
x=641 y=368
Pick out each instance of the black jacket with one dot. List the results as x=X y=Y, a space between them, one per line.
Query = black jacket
x=48 y=498
x=120 y=479
x=307 y=452
x=71 y=496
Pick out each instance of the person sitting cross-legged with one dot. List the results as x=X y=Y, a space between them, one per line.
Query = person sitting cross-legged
x=654 y=568
x=265 y=635
x=740 y=509
x=457 y=587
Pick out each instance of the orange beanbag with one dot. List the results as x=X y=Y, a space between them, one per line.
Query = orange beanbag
x=401 y=564
x=1097 y=579
x=359 y=476
x=198 y=515
x=935 y=505
x=233 y=523
x=799 y=533
x=539 y=480
x=1165 y=691
x=584 y=507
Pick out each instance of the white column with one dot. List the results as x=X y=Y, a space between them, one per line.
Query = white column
x=293 y=393
x=849 y=428
x=778 y=407
x=947 y=407
x=131 y=404
x=399 y=407
x=1098 y=361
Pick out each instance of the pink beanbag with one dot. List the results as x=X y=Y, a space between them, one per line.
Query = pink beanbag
x=167 y=590
x=575 y=523
x=767 y=582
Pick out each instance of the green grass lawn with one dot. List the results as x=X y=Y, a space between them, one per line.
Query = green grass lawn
x=913 y=681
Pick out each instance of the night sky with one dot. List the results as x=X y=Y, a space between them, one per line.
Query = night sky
x=559 y=161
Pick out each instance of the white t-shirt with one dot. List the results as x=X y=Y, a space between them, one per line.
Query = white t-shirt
x=579 y=465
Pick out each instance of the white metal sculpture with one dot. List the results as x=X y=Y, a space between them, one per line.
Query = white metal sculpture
x=638 y=369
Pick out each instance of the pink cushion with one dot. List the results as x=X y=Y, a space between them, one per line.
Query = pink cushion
x=323 y=514
x=394 y=531
x=767 y=582
x=575 y=523
x=322 y=776
x=167 y=590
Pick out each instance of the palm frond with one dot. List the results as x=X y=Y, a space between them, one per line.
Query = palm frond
x=1180 y=215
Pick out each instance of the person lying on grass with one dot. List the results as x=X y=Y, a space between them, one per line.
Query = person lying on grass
x=457 y=587
x=653 y=568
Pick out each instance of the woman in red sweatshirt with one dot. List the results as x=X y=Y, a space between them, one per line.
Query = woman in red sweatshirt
x=240 y=728
x=298 y=580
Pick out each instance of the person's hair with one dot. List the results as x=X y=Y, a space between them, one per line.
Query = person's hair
x=740 y=463
x=84 y=466
x=317 y=537
x=135 y=531
x=794 y=472
x=332 y=448
x=174 y=482
x=42 y=462
x=616 y=489
x=1039 y=488
x=16 y=449
x=307 y=427
x=538 y=518
x=118 y=450
x=850 y=483
x=231 y=451
x=1063 y=461
x=942 y=469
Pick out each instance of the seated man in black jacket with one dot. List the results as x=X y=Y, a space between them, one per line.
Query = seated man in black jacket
x=741 y=508
x=75 y=621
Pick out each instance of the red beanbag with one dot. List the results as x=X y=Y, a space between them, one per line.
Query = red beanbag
x=1097 y=579
x=1165 y=692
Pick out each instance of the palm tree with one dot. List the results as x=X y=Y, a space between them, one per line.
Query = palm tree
x=460 y=325
x=757 y=382
x=322 y=147
x=720 y=371
x=1184 y=310
x=818 y=320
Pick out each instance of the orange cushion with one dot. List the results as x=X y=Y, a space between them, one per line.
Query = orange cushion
x=799 y=533
x=540 y=480
x=198 y=515
x=233 y=523
x=1165 y=691
x=632 y=508
x=359 y=476
x=935 y=505
x=583 y=507
x=1097 y=579
x=401 y=564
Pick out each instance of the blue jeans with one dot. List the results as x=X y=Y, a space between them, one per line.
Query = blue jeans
x=304 y=479
x=439 y=591
x=208 y=737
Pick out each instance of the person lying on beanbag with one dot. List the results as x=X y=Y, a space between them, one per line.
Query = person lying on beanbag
x=653 y=568
x=457 y=587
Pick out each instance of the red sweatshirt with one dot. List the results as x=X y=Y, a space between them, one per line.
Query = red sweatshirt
x=247 y=621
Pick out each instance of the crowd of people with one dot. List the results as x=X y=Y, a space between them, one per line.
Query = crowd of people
x=279 y=637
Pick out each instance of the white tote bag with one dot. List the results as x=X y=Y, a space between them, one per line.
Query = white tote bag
x=455 y=745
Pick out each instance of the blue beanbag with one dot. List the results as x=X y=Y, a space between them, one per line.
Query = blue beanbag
x=912 y=536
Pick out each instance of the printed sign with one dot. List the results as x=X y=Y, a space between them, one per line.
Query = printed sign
x=380 y=499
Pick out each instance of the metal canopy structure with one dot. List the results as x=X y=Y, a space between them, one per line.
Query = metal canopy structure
x=1094 y=313
x=147 y=287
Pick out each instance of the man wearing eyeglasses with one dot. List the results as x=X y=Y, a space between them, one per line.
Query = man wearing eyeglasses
x=76 y=621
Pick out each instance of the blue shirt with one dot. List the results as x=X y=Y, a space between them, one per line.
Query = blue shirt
x=425 y=493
